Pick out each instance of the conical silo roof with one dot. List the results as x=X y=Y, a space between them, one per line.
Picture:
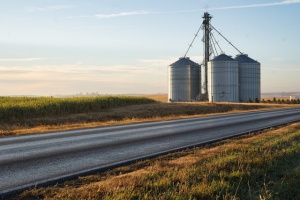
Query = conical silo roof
x=184 y=61
x=223 y=57
x=243 y=58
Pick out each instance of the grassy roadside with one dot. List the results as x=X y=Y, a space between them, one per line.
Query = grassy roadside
x=103 y=111
x=256 y=166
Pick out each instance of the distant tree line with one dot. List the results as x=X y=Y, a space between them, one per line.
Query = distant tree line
x=274 y=100
x=256 y=100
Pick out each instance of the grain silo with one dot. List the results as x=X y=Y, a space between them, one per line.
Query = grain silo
x=184 y=80
x=203 y=76
x=249 y=78
x=222 y=75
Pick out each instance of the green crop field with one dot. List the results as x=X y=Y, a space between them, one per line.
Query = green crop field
x=19 y=108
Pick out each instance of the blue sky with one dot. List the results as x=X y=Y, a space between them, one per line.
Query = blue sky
x=66 y=47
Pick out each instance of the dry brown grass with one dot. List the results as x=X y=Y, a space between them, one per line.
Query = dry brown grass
x=158 y=97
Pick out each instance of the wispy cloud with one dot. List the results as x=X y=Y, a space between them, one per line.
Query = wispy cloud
x=158 y=62
x=125 y=14
x=77 y=71
x=122 y=14
x=21 y=59
x=133 y=13
x=49 y=8
x=76 y=78
x=113 y=15
x=286 y=2
x=164 y=62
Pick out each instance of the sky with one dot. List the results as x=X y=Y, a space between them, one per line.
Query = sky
x=68 y=47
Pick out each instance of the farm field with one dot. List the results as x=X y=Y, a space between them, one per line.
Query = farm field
x=254 y=166
x=26 y=115
x=21 y=108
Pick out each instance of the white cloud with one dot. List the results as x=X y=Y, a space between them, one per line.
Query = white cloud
x=71 y=72
x=158 y=62
x=165 y=62
x=286 y=2
x=277 y=59
x=21 y=59
x=122 y=14
x=49 y=8
x=76 y=78
x=285 y=69
x=114 y=15
x=133 y=13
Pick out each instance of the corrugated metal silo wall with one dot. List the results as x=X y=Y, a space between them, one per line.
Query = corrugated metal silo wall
x=194 y=82
x=249 y=81
x=223 y=81
x=202 y=82
x=183 y=83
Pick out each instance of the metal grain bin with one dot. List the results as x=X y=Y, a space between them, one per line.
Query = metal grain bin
x=249 y=78
x=203 y=80
x=184 y=80
x=222 y=78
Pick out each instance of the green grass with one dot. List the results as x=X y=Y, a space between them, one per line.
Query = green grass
x=20 y=108
x=263 y=166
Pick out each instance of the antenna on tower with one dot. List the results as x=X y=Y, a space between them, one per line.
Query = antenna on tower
x=206 y=7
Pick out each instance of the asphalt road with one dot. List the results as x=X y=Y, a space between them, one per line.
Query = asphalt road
x=26 y=161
